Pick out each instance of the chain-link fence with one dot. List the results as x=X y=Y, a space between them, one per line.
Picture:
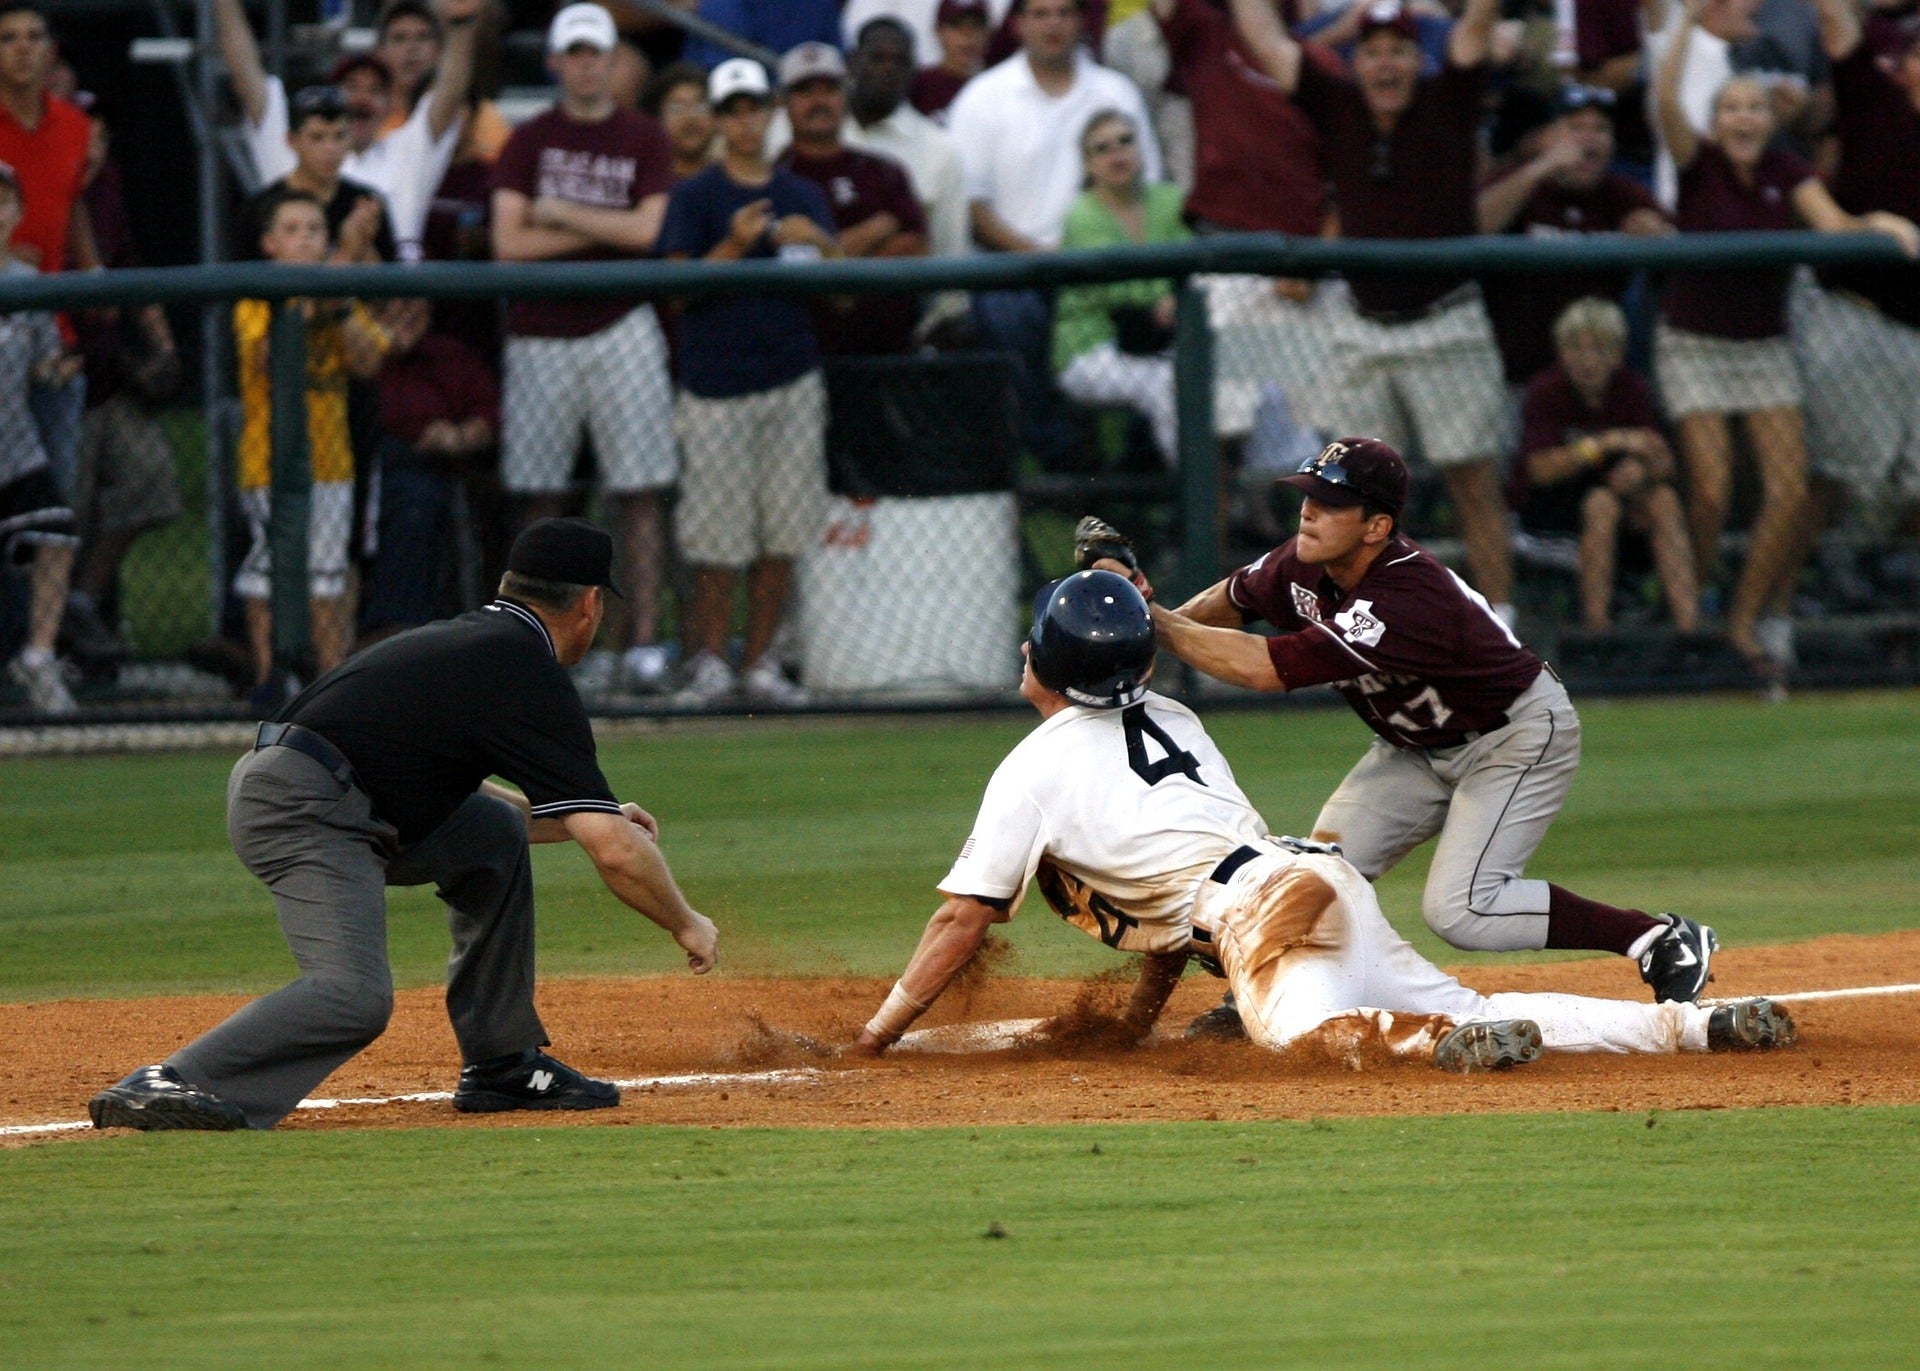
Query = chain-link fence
x=842 y=531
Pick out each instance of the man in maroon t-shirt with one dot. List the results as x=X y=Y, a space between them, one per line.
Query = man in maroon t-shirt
x=587 y=182
x=1410 y=356
x=961 y=28
x=1477 y=741
x=874 y=207
x=1564 y=190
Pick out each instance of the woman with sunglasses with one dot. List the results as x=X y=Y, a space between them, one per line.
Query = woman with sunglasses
x=1112 y=343
x=1721 y=346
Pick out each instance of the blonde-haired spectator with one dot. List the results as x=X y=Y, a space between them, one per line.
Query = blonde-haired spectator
x=1596 y=464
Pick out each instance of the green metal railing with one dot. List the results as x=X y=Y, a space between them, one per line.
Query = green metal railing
x=1257 y=254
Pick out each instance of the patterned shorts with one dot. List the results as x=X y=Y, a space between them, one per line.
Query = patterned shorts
x=612 y=384
x=1432 y=385
x=1863 y=395
x=329 y=522
x=1699 y=374
x=755 y=483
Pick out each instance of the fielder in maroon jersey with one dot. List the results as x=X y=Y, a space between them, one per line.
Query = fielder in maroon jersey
x=1477 y=741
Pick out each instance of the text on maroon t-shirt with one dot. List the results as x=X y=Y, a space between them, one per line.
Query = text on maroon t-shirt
x=1423 y=660
x=859 y=185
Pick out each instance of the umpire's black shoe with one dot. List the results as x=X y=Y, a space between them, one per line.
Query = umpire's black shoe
x=157 y=1097
x=1221 y=1023
x=1680 y=962
x=529 y=1080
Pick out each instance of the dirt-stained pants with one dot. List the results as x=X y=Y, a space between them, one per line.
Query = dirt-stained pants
x=1302 y=941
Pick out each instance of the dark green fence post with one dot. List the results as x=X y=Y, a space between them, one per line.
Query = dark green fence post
x=1199 y=449
x=292 y=480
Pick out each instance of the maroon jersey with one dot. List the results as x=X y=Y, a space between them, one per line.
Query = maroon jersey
x=1553 y=414
x=933 y=89
x=1524 y=307
x=441 y=379
x=1420 y=657
x=1879 y=130
x=1256 y=154
x=859 y=185
x=1749 y=303
x=613 y=164
x=1416 y=182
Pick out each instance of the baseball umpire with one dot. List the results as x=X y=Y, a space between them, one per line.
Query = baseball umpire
x=1477 y=741
x=376 y=775
x=1122 y=809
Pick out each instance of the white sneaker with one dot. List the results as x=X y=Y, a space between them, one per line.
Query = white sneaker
x=644 y=668
x=709 y=681
x=1774 y=633
x=766 y=685
x=596 y=673
x=38 y=673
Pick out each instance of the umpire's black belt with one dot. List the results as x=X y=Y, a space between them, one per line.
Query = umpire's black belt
x=305 y=740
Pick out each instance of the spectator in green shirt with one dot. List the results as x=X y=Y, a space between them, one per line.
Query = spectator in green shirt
x=1112 y=344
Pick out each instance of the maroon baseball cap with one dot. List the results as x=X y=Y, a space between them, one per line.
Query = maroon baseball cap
x=1355 y=471
x=359 y=61
x=961 y=11
x=1390 y=15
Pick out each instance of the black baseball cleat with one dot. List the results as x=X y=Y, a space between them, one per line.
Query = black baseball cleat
x=1755 y=1025
x=1221 y=1023
x=158 y=1097
x=1490 y=1045
x=529 y=1080
x=1680 y=962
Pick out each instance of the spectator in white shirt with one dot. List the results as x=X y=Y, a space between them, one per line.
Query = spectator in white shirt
x=880 y=120
x=404 y=165
x=1018 y=129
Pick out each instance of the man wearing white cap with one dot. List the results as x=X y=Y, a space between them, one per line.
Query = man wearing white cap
x=587 y=182
x=752 y=410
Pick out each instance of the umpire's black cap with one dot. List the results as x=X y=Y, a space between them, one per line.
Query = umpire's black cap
x=568 y=551
x=1355 y=471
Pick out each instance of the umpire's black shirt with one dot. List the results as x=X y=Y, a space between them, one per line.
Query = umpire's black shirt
x=429 y=714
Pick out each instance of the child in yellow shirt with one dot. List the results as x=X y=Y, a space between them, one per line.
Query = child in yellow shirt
x=343 y=340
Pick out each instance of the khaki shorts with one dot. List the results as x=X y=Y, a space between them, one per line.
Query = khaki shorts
x=1863 y=396
x=1432 y=385
x=329 y=524
x=1699 y=374
x=755 y=481
x=612 y=384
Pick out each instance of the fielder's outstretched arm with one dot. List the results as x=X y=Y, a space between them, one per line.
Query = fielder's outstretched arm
x=1226 y=654
x=952 y=936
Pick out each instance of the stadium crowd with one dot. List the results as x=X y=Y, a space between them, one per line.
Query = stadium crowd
x=1602 y=414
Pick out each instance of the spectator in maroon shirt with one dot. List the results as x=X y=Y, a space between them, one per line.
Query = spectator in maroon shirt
x=1565 y=189
x=1722 y=347
x=1411 y=358
x=1595 y=463
x=961 y=28
x=875 y=211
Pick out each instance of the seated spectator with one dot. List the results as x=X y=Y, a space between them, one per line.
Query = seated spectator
x=960 y=27
x=777 y=25
x=1565 y=189
x=1858 y=339
x=1112 y=344
x=587 y=182
x=1721 y=345
x=879 y=70
x=873 y=204
x=439 y=413
x=677 y=98
x=357 y=220
x=752 y=408
x=125 y=484
x=1018 y=129
x=404 y=166
x=36 y=524
x=342 y=340
x=1595 y=463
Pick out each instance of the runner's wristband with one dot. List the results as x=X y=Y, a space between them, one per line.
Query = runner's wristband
x=896 y=1015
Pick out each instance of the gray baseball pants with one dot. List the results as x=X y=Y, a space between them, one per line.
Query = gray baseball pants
x=311 y=836
x=1490 y=800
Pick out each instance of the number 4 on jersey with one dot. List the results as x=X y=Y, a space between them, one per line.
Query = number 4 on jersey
x=1175 y=762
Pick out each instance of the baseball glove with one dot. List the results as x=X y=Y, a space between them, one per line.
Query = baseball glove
x=1094 y=538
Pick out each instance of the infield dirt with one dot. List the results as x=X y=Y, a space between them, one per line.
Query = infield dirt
x=1851 y=1051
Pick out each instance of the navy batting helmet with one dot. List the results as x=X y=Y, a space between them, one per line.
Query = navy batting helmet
x=1092 y=639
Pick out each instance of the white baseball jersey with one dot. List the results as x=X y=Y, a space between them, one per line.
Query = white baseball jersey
x=1120 y=813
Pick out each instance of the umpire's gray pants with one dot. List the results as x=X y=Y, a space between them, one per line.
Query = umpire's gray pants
x=1490 y=801
x=314 y=840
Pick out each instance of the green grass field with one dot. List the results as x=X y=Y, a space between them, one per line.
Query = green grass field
x=1610 y=1240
